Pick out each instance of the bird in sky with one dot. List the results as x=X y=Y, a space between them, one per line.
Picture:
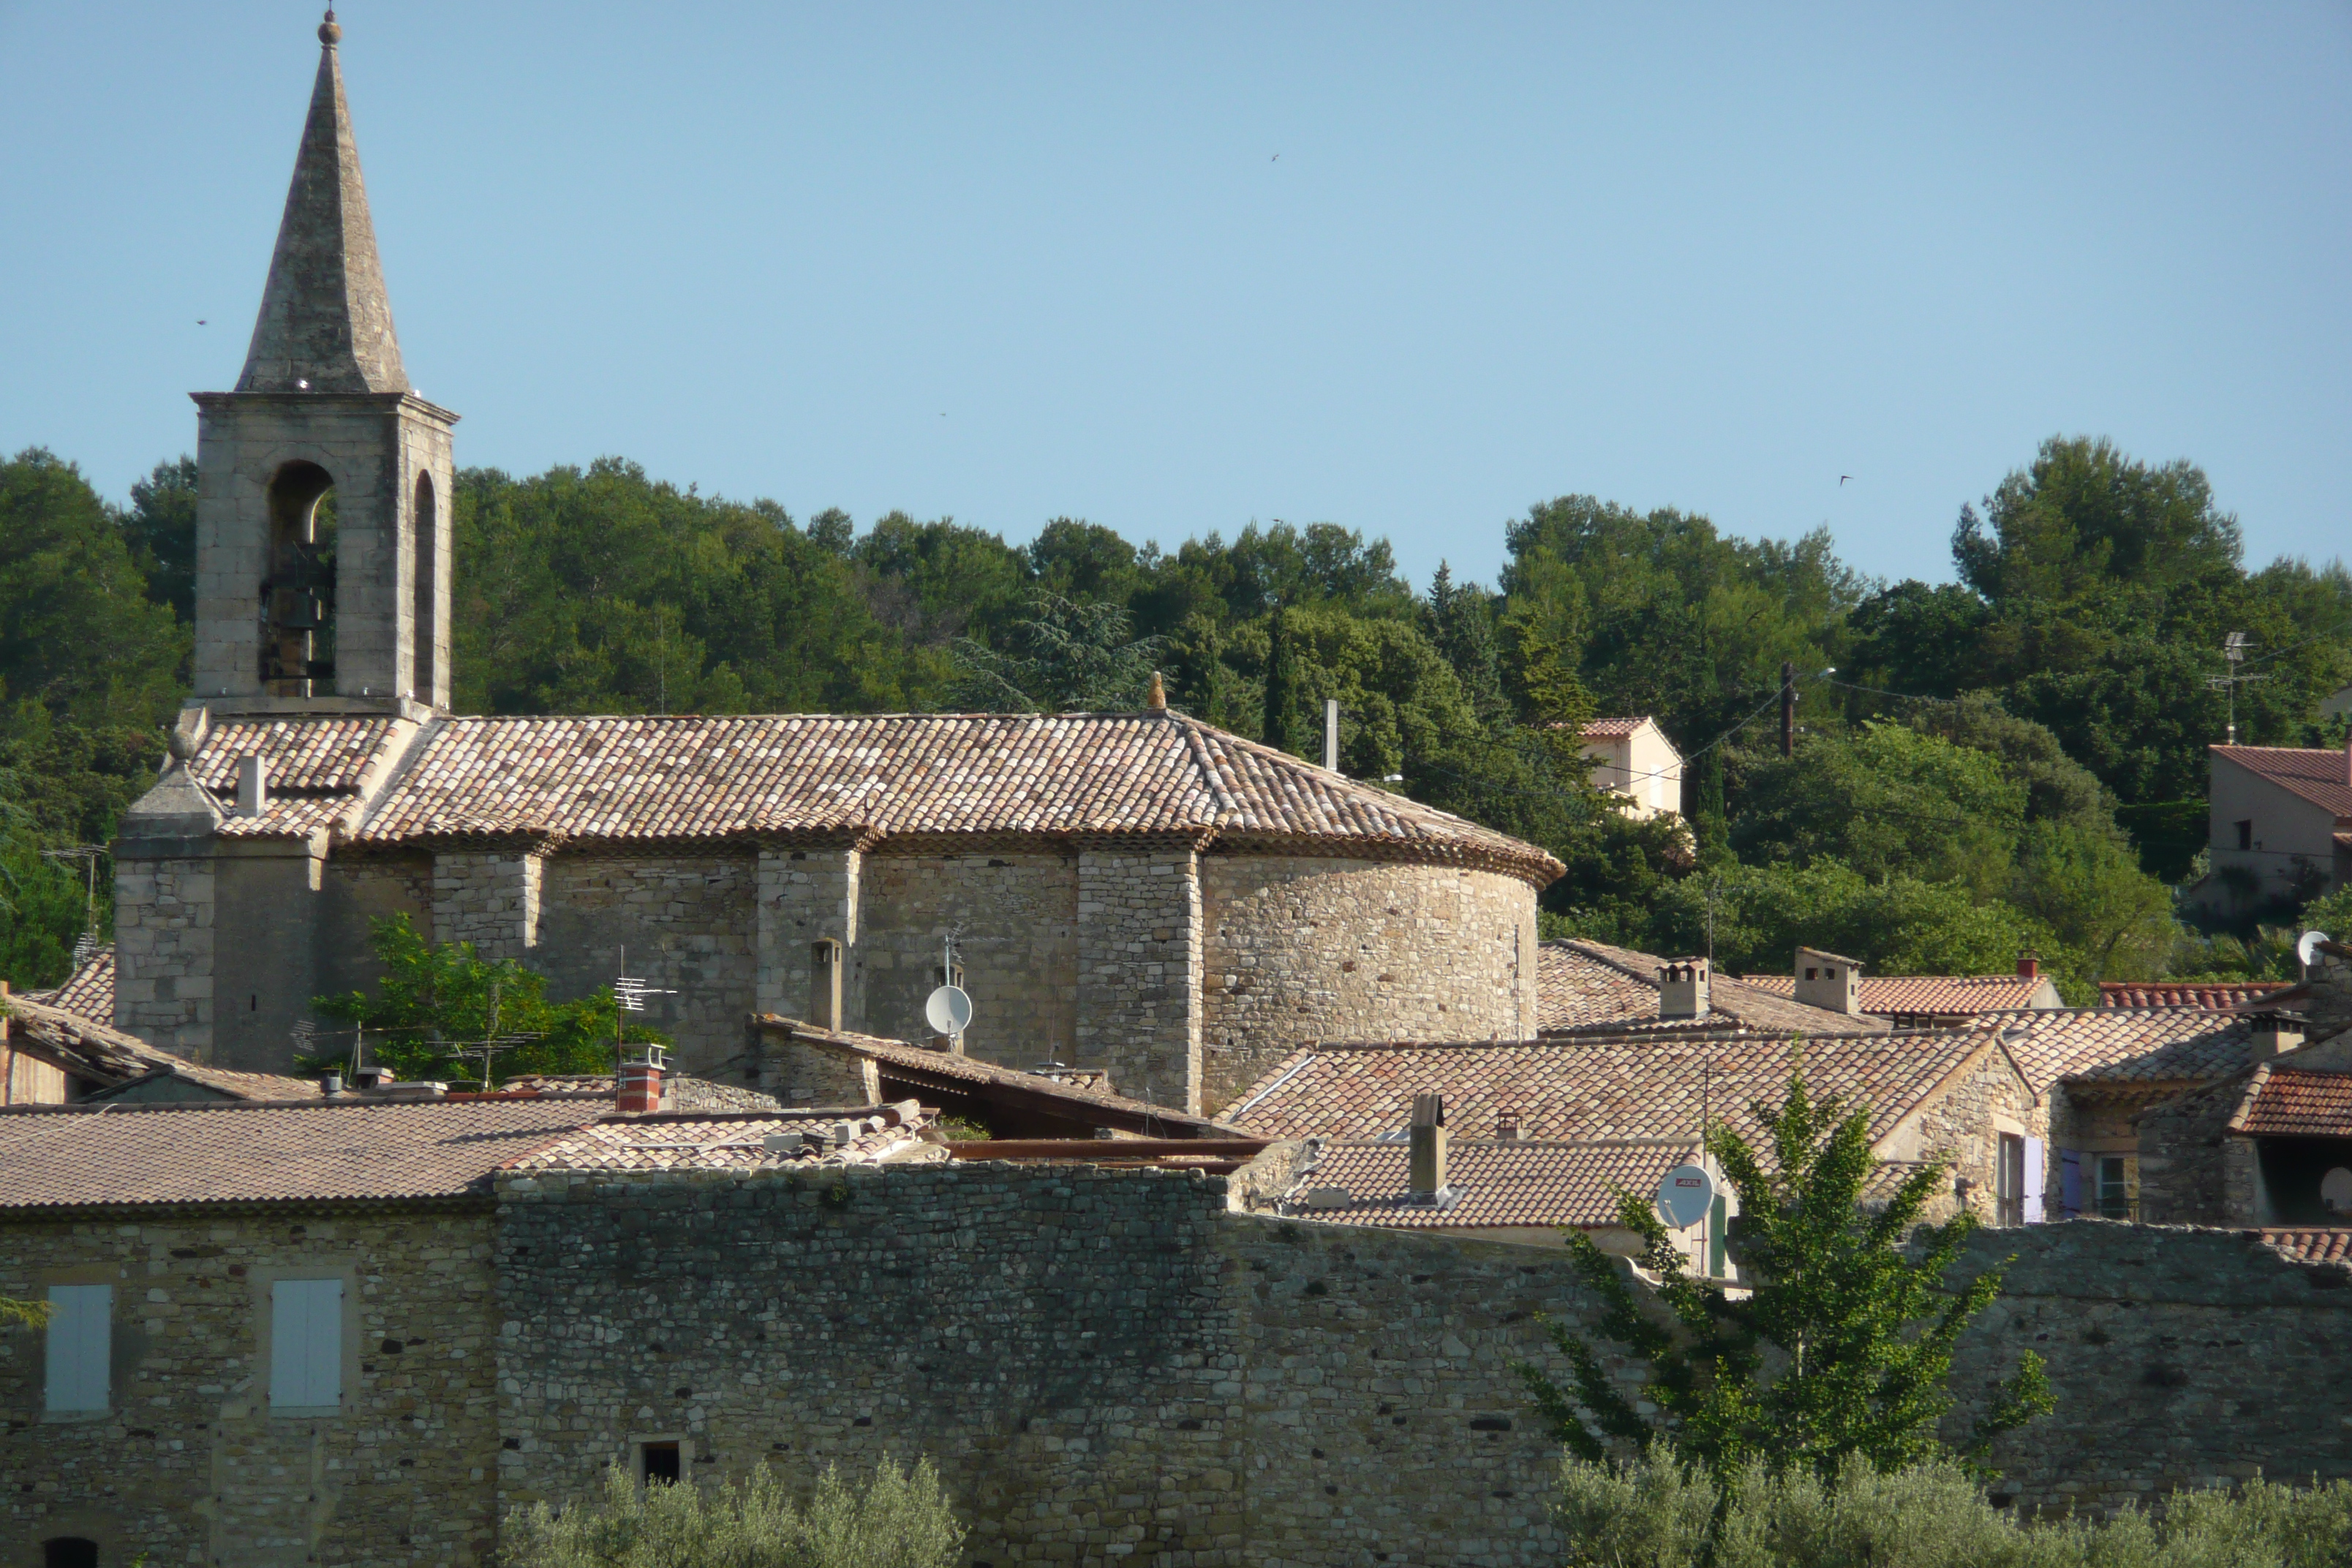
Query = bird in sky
x=1276 y=159
x=1841 y=480
x=199 y=320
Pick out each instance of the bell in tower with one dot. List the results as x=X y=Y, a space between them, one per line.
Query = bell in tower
x=322 y=540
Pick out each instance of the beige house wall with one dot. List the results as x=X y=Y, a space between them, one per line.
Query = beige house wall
x=2286 y=826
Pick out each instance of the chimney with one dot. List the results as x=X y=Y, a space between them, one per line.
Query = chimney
x=1829 y=981
x=1684 y=989
x=641 y=1081
x=824 y=974
x=1507 y=1126
x=1332 y=733
x=2029 y=966
x=1427 y=1157
x=2274 y=1036
x=252 y=786
x=1156 y=699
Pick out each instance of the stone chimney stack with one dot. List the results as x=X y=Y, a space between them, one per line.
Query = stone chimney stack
x=1427 y=1166
x=252 y=786
x=641 y=1081
x=1684 y=986
x=1828 y=981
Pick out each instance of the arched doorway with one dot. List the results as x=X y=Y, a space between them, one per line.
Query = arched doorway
x=297 y=597
x=68 y=1552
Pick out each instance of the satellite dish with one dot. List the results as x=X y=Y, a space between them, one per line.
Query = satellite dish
x=948 y=1010
x=1685 y=1194
x=2306 y=947
x=2336 y=1190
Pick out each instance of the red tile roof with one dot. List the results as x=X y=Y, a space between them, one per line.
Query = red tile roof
x=1611 y=729
x=101 y=1053
x=1496 y=1184
x=2312 y=1244
x=2283 y=1103
x=2319 y=777
x=1581 y=1089
x=1586 y=986
x=88 y=991
x=2088 y=1046
x=848 y=777
x=221 y=1152
x=2173 y=994
x=1924 y=995
x=727 y=1142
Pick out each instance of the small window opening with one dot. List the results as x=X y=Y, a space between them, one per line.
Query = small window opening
x=657 y=1462
x=297 y=597
x=253 y=1002
x=68 y=1552
x=429 y=561
x=2246 y=834
x=2009 y=1182
x=2115 y=1192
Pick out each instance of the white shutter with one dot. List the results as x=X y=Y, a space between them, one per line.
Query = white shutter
x=305 y=1342
x=81 y=1335
x=2035 y=1178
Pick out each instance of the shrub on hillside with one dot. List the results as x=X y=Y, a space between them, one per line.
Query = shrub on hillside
x=900 y=1519
x=1657 y=1512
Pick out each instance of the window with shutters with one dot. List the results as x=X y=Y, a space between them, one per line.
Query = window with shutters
x=80 y=1343
x=306 y=1345
x=2009 y=1182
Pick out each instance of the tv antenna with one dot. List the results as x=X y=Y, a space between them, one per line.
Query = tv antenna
x=2233 y=648
x=629 y=994
x=85 y=944
x=492 y=1042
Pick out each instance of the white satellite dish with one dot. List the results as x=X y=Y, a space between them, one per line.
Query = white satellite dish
x=948 y=1010
x=2336 y=1191
x=1685 y=1194
x=2306 y=947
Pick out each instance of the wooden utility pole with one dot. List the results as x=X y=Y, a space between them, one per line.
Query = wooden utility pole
x=1788 y=708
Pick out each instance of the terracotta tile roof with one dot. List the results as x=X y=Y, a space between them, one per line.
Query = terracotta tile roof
x=2312 y=1244
x=305 y=756
x=1924 y=995
x=851 y=776
x=2319 y=777
x=680 y=1092
x=87 y=993
x=2283 y=1103
x=1495 y=1182
x=920 y=1068
x=99 y=1054
x=220 y=1151
x=291 y=817
x=2088 y=1046
x=1611 y=729
x=724 y=1142
x=1582 y=985
x=2171 y=994
x=1581 y=1089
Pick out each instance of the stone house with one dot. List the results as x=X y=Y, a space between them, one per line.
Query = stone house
x=1137 y=893
x=1635 y=761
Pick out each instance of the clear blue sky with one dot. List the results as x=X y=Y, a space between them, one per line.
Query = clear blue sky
x=1011 y=262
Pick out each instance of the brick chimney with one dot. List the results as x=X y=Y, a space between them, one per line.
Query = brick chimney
x=641 y=1081
x=1684 y=986
x=1829 y=981
x=1427 y=1150
x=2029 y=966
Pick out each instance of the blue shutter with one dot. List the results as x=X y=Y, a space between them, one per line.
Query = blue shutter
x=2070 y=1182
x=306 y=1343
x=80 y=1343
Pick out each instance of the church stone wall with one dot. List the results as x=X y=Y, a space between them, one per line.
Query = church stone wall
x=164 y=940
x=190 y=1465
x=689 y=926
x=1138 y=981
x=1400 y=953
x=1017 y=915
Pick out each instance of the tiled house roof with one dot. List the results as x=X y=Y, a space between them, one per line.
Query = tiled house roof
x=1583 y=1090
x=1924 y=995
x=2120 y=1046
x=722 y=1142
x=88 y=991
x=1611 y=729
x=2168 y=994
x=2328 y=1244
x=221 y=1151
x=1497 y=1182
x=2323 y=778
x=839 y=777
x=1584 y=985
x=99 y=1054
x=2282 y=1103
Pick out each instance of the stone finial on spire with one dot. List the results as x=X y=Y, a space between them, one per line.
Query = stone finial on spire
x=325 y=322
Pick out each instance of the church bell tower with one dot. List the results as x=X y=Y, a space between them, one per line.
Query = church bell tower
x=322 y=509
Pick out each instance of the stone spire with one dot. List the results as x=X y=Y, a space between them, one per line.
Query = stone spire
x=325 y=324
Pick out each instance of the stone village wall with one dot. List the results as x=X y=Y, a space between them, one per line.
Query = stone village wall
x=190 y=1466
x=1104 y=1364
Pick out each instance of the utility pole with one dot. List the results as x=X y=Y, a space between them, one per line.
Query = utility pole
x=1788 y=708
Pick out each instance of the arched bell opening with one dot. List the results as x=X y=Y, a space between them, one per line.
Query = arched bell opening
x=297 y=597
x=428 y=559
